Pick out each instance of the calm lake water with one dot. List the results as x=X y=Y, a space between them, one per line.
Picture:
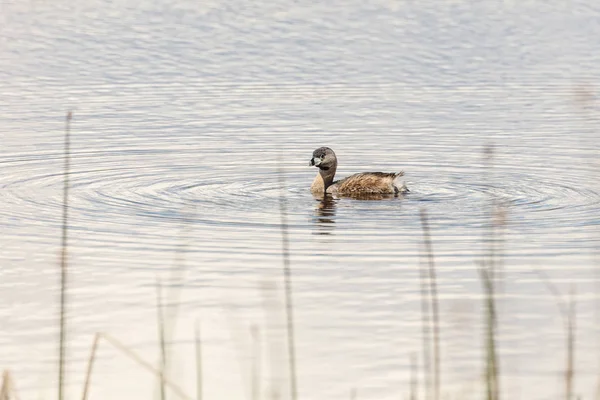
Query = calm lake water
x=182 y=111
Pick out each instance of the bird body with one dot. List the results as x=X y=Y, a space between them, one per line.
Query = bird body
x=364 y=183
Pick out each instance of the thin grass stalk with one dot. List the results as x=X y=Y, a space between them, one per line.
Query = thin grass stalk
x=425 y=333
x=567 y=310
x=570 y=368
x=434 y=304
x=256 y=363
x=5 y=388
x=161 y=336
x=135 y=357
x=488 y=276
x=492 y=346
x=198 y=363
x=414 y=383
x=288 y=284
x=586 y=101
x=173 y=292
x=491 y=371
x=90 y=367
x=8 y=390
x=494 y=373
x=63 y=258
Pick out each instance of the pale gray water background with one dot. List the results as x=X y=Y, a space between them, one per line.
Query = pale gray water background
x=181 y=112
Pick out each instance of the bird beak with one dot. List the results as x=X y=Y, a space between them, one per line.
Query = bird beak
x=314 y=161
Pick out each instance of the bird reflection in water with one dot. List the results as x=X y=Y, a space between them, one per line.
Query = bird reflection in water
x=326 y=208
x=325 y=215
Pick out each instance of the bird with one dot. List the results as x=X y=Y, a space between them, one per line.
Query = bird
x=364 y=183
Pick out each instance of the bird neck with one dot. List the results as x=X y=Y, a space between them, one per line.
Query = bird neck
x=324 y=179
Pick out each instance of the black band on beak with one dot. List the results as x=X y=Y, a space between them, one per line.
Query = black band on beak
x=311 y=162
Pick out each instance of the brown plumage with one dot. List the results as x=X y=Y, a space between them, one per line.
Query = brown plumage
x=364 y=183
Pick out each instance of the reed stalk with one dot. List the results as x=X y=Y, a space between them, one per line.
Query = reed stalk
x=5 y=387
x=491 y=361
x=489 y=275
x=414 y=383
x=570 y=367
x=8 y=389
x=288 y=284
x=135 y=357
x=425 y=330
x=434 y=304
x=90 y=367
x=256 y=363
x=63 y=258
x=161 y=336
x=199 y=382
x=568 y=312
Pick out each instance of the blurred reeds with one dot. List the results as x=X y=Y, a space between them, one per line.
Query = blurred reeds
x=8 y=389
x=133 y=356
x=414 y=378
x=491 y=359
x=567 y=310
x=63 y=258
x=489 y=276
x=430 y=323
x=289 y=307
x=198 y=347
x=161 y=338
x=256 y=363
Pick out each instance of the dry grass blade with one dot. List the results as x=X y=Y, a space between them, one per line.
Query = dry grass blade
x=568 y=312
x=570 y=369
x=425 y=334
x=414 y=384
x=434 y=304
x=198 y=363
x=488 y=275
x=175 y=282
x=288 y=284
x=256 y=363
x=7 y=388
x=492 y=370
x=90 y=367
x=63 y=258
x=135 y=357
x=161 y=336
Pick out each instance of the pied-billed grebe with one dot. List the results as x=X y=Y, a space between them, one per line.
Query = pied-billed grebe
x=363 y=183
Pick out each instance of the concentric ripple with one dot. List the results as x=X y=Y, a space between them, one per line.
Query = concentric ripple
x=108 y=187
x=543 y=200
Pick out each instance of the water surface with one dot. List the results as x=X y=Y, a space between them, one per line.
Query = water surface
x=183 y=114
